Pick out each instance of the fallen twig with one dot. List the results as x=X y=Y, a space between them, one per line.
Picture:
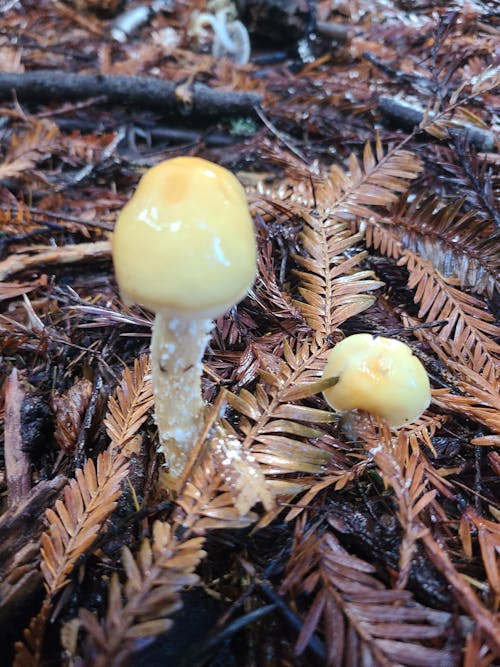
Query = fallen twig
x=137 y=91
x=407 y=116
x=17 y=464
x=67 y=254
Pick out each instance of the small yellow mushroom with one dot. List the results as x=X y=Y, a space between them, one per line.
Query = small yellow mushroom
x=378 y=375
x=183 y=247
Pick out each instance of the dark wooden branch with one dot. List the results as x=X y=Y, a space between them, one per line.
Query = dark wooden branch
x=134 y=91
x=20 y=529
x=407 y=116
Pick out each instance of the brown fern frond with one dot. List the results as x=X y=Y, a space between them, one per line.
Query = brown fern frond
x=459 y=245
x=28 y=653
x=480 y=401
x=360 y=619
x=91 y=497
x=330 y=286
x=134 y=398
x=75 y=521
x=404 y=471
x=488 y=536
x=441 y=122
x=29 y=147
x=204 y=503
x=272 y=427
x=240 y=471
x=421 y=433
x=332 y=290
x=469 y=330
x=154 y=579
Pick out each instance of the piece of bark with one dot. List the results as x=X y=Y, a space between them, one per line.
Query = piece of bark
x=20 y=529
x=168 y=97
x=45 y=255
x=17 y=463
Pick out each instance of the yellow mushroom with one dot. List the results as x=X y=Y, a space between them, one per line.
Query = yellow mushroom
x=183 y=247
x=378 y=375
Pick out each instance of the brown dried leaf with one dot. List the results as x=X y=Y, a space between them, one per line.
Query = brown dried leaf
x=69 y=410
x=30 y=147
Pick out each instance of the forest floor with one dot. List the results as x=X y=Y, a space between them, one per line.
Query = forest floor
x=366 y=137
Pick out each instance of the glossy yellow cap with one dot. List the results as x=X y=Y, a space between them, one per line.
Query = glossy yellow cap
x=184 y=244
x=378 y=375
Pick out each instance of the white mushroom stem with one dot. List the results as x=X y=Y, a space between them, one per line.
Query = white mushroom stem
x=177 y=349
x=218 y=23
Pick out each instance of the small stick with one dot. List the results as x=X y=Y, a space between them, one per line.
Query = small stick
x=67 y=254
x=407 y=116
x=17 y=464
x=136 y=91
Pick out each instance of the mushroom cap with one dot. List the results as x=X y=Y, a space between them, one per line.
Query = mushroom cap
x=379 y=375
x=184 y=244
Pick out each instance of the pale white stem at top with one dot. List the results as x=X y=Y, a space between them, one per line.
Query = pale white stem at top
x=177 y=349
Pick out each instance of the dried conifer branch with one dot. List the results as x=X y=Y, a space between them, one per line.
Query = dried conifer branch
x=480 y=402
x=69 y=409
x=477 y=653
x=379 y=446
x=442 y=123
x=458 y=244
x=89 y=499
x=76 y=521
x=441 y=126
x=205 y=504
x=331 y=288
x=20 y=528
x=338 y=480
x=240 y=471
x=421 y=433
x=154 y=579
x=405 y=473
x=29 y=651
x=470 y=327
x=487 y=622
x=128 y=411
x=356 y=614
x=488 y=536
x=272 y=427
